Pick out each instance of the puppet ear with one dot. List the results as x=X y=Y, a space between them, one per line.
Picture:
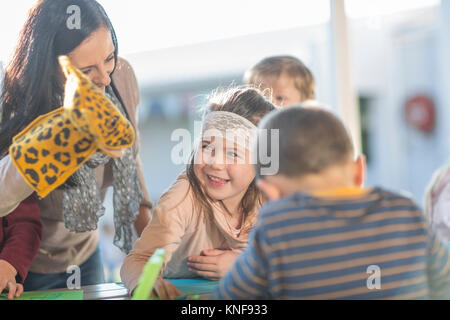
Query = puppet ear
x=93 y=113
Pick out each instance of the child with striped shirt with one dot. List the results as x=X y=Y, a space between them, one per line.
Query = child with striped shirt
x=323 y=236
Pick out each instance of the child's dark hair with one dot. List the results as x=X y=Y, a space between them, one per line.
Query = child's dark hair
x=277 y=65
x=251 y=104
x=310 y=140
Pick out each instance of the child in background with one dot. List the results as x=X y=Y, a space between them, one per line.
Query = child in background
x=20 y=238
x=437 y=202
x=204 y=219
x=322 y=236
x=288 y=78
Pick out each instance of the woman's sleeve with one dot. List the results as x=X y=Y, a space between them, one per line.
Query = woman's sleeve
x=441 y=213
x=127 y=85
x=165 y=231
x=437 y=202
x=22 y=234
x=13 y=189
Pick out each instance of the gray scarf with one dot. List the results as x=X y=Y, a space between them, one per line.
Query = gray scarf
x=83 y=206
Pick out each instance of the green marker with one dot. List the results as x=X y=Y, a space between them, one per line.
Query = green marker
x=149 y=274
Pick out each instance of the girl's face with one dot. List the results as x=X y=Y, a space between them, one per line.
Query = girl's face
x=95 y=57
x=224 y=170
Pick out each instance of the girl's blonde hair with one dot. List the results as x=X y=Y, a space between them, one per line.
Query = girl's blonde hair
x=250 y=103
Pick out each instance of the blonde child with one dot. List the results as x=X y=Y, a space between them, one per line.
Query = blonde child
x=322 y=236
x=203 y=220
x=288 y=78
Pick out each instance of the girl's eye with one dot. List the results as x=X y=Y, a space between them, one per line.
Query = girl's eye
x=208 y=147
x=110 y=58
x=232 y=154
x=87 y=71
x=280 y=99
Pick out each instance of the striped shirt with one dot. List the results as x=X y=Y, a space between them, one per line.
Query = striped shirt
x=376 y=245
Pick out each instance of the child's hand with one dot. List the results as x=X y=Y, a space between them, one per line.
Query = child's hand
x=212 y=264
x=8 y=280
x=165 y=290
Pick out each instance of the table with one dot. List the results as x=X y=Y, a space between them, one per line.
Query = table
x=117 y=291
x=201 y=288
x=106 y=291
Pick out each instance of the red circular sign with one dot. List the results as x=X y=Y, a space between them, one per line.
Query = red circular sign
x=420 y=113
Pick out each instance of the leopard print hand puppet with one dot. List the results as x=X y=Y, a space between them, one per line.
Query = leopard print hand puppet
x=52 y=147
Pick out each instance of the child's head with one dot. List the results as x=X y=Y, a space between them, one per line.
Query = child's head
x=288 y=78
x=220 y=168
x=316 y=153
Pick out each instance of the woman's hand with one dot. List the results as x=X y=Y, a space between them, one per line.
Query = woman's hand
x=212 y=264
x=8 y=280
x=165 y=290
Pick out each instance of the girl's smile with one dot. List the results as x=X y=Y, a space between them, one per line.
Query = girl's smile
x=217 y=182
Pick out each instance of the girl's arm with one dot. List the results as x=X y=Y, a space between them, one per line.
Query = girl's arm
x=13 y=189
x=165 y=231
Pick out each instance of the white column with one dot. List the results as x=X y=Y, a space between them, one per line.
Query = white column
x=345 y=100
x=443 y=110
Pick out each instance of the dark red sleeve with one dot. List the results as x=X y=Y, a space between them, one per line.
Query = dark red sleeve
x=22 y=234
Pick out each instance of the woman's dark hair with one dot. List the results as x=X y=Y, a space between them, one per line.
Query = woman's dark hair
x=32 y=85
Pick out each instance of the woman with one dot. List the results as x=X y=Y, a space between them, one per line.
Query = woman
x=437 y=202
x=33 y=86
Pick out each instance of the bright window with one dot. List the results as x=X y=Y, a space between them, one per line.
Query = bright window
x=371 y=8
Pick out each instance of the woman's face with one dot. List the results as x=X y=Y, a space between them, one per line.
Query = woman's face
x=95 y=57
x=224 y=170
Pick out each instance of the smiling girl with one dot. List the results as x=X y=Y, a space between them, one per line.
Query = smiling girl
x=204 y=219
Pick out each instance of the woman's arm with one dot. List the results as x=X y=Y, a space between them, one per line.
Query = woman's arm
x=13 y=189
x=436 y=202
x=145 y=207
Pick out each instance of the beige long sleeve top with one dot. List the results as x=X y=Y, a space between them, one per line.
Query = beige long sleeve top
x=13 y=189
x=59 y=247
x=177 y=227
